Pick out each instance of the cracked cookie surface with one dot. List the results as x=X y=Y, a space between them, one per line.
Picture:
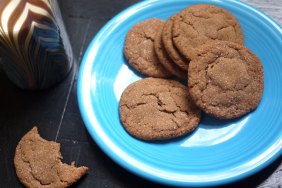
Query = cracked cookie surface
x=198 y=24
x=139 y=48
x=38 y=163
x=225 y=80
x=158 y=109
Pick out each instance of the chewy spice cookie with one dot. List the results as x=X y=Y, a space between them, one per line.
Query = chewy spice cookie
x=225 y=80
x=201 y=23
x=139 y=48
x=38 y=163
x=158 y=109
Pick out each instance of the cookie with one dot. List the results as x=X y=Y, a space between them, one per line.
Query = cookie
x=169 y=46
x=139 y=48
x=158 y=109
x=198 y=24
x=225 y=79
x=164 y=58
x=38 y=163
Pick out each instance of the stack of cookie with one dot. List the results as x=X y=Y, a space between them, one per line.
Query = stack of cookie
x=203 y=44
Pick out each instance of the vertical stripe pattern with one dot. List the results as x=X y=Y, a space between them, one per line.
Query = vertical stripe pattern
x=34 y=46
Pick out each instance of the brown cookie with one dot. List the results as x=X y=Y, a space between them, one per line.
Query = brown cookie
x=158 y=109
x=169 y=45
x=164 y=58
x=38 y=163
x=198 y=24
x=139 y=48
x=225 y=80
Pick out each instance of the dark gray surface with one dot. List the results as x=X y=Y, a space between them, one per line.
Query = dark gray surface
x=55 y=111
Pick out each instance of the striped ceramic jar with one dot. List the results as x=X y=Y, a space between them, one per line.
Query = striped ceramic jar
x=34 y=46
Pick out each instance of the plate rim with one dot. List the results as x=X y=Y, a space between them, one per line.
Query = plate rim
x=106 y=149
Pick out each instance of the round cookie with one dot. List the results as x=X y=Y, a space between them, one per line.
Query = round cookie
x=38 y=163
x=158 y=109
x=225 y=80
x=169 y=46
x=139 y=48
x=198 y=24
x=164 y=58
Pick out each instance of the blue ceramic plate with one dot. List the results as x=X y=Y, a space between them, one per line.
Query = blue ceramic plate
x=217 y=152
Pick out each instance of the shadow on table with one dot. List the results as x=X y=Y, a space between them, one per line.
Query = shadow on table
x=15 y=101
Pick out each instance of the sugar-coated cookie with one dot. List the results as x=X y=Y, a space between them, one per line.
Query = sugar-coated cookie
x=139 y=48
x=158 y=109
x=201 y=23
x=225 y=79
